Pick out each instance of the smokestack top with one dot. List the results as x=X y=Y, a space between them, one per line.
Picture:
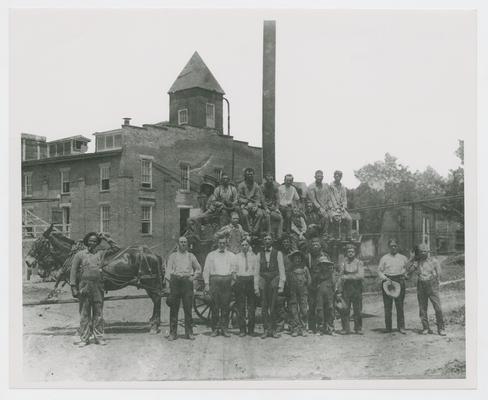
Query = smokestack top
x=127 y=120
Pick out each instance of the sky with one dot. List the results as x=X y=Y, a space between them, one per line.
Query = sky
x=350 y=85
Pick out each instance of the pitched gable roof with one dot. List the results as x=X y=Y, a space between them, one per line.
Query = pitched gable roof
x=196 y=75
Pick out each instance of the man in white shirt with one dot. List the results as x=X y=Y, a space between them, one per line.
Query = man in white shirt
x=288 y=199
x=246 y=288
x=181 y=268
x=393 y=268
x=217 y=275
x=271 y=283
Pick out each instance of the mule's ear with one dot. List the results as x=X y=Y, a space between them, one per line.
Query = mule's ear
x=48 y=231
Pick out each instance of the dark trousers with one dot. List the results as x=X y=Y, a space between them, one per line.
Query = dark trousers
x=220 y=292
x=245 y=300
x=91 y=310
x=352 y=294
x=325 y=306
x=429 y=290
x=181 y=290
x=388 y=304
x=268 y=287
x=299 y=301
x=286 y=213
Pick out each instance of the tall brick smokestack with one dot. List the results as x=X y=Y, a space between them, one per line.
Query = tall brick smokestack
x=269 y=66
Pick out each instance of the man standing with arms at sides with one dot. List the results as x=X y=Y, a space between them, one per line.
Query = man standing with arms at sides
x=234 y=233
x=338 y=200
x=270 y=190
x=350 y=286
x=246 y=288
x=393 y=268
x=318 y=193
x=313 y=259
x=250 y=193
x=181 y=269
x=87 y=266
x=288 y=199
x=218 y=274
x=271 y=284
x=428 y=271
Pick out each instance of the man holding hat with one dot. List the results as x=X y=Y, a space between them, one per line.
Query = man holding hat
x=428 y=271
x=350 y=287
x=391 y=271
x=181 y=268
x=299 y=281
x=271 y=283
x=87 y=266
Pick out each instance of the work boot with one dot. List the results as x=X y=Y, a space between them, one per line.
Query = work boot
x=402 y=331
x=358 y=332
x=242 y=334
x=214 y=333
x=100 y=341
x=304 y=333
x=82 y=343
x=224 y=333
x=442 y=332
x=189 y=336
x=425 y=331
x=264 y=335
x=172 y=336
x=343 y=332
x=294 y=333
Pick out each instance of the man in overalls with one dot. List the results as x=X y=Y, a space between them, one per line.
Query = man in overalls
x=299 y=282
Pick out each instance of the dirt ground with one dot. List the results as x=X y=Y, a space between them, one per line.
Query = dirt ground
x=132 y=353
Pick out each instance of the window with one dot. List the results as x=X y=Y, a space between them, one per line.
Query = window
x=66 y=221
x=104 y=177
x=66 y=147
x=146 y=173
x=183 y=116
x=64 y=181
x=185 y=177
x=108 y=142
x=105 y=219
x=426 y=231
x=28 y=184
x=218 y=174
x=146 y=220
x=210 y=115
x=77 y=145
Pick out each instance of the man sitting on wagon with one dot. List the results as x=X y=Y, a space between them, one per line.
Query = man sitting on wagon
x=234 y=233
x=288 y=199
x=317 y=225
x=221 y=203
x=270 y=190
x=250 y=199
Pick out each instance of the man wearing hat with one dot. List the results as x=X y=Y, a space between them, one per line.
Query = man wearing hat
x=181 y=269
x=428 y=271
x=218 y=275
x=271 y=284
x=299 y=281
x=313 y=258
x=323 y=280
x=234 y=233
x=391 y=271
x=87 y=285
x=350 y=287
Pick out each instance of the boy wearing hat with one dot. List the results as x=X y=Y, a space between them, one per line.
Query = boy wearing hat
x=392 y=270
x=323 y=279
x=299 y=281
x=428 y=271
x=87 y=265
x=350 y=287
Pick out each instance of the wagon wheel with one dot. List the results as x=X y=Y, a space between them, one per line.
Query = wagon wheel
x=202 y=307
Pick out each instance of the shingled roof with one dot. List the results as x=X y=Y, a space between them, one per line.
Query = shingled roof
x=196 y=75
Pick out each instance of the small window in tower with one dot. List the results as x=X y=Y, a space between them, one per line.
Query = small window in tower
x=210 y=115
x=183 y=116
x=67 y=148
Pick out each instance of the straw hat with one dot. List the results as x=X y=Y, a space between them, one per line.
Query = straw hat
x=392 y=288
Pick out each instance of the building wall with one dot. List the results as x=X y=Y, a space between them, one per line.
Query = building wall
x=195 y=101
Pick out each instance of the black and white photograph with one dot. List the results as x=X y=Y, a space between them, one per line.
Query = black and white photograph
x=250 y=195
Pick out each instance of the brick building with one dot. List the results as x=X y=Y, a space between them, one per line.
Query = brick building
x=142 y=182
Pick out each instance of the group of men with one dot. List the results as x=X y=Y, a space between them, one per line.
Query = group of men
x=274 y=209
x=301 y=289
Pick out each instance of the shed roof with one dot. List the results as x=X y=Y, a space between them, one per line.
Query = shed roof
x=196 y=75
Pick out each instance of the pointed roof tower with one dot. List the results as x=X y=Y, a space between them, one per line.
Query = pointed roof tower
x=196 y=75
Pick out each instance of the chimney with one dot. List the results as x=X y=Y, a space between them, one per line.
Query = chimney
x=127 y=121
x=269 y=66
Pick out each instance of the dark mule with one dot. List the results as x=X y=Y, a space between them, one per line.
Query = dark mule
x=135 y=266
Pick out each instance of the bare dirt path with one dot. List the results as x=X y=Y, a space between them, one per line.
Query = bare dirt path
x=133 y=354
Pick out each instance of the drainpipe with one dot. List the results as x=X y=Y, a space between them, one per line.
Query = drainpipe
x=228 y=116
